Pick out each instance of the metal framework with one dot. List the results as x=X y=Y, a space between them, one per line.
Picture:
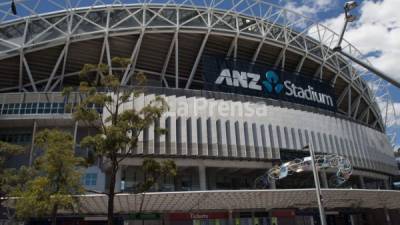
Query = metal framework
x=322 y=162
x=42 y=24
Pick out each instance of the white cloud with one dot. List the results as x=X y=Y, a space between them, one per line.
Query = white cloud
x=376 y=33
x=309 y=8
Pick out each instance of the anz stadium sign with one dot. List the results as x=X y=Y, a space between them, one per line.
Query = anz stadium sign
x=245 y=78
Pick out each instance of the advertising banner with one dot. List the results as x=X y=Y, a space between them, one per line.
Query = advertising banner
x=247 y=79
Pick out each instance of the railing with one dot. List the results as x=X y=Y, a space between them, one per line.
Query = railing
x=38 y=103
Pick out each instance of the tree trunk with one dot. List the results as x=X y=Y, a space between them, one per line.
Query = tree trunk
x=54 y=215
x=111 y=194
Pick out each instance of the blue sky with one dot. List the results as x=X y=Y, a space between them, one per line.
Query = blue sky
x=376 y=33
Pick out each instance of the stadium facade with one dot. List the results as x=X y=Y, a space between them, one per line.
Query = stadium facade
x=249 y=84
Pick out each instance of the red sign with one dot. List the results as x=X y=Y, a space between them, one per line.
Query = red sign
x=198 y=216
x=283 y=213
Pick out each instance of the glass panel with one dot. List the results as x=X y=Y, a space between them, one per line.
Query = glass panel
x=185 y=15
x=36 y=27
x=117 y=15
x=5 y=47
x=83 y=25
x=49 y=35
x=169 y=14
x=197 y=22
x=130 y=22
x=12 y=32
x=224 y=22
x=99 y=17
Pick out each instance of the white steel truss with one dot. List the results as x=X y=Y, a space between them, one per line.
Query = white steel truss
x=40 y=24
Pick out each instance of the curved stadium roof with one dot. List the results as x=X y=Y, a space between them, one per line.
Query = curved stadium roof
x=46 y=45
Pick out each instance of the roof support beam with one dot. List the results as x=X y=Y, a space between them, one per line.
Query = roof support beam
x=64 y=62
x=257 y=52
x=281 y=57
x=21 y=70
x=318 y=72
x=342 y=95
x=355 y=106
x=233 y=47
x=300 y=64
x=67 y=44
x=108 y=53
x=196 y=63
x=29 y=74
x=106 y=38
x=60 y=57
x=167 y=59
x=177 y=61
x=349 y=95
x=103 y=49
x=54 y=85
x=21 y=55
x=364 y=114
x=131 y=67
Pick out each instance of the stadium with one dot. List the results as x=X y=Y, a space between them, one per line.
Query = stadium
x=248 y=83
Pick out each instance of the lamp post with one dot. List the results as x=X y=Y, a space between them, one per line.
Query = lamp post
x=317 y=184
x=348 y=6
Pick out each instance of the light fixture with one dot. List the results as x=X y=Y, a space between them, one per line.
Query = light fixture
x=351 y=18
x=13 y=7
x=350 y=5
x=347 y=19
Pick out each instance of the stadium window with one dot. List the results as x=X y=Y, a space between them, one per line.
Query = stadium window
x=16 y=108
x=16 y=138
x=4 y=109
x=47 y=108
x=10 y=108
x=90 y=179
x=41 y=108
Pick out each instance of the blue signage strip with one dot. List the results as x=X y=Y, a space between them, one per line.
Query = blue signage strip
x=244 y=78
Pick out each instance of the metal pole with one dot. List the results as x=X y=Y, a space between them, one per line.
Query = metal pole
x=317 y=185
x=342 y=33
x=370 y=68
x=338 y=48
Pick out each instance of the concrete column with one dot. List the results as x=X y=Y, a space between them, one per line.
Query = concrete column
x=352 y=220
x=386 y=183
x=387 y=216
x=32 y=143
x=324 y=179
x=75 y=132
x=272 y=184
x=362 y=182
x=202 y=178
x=230 y=220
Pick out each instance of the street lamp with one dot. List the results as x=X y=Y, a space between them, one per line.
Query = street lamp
x=348 y=6
x=317 y=183
x=348 y=18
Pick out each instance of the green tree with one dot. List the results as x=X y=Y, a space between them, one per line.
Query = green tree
x=10 y=178
x=153 y=170
x=118 y=129
x=57 y=180
x=7 y=151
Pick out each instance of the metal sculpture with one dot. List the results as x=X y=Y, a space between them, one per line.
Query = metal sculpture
x=322 y=162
